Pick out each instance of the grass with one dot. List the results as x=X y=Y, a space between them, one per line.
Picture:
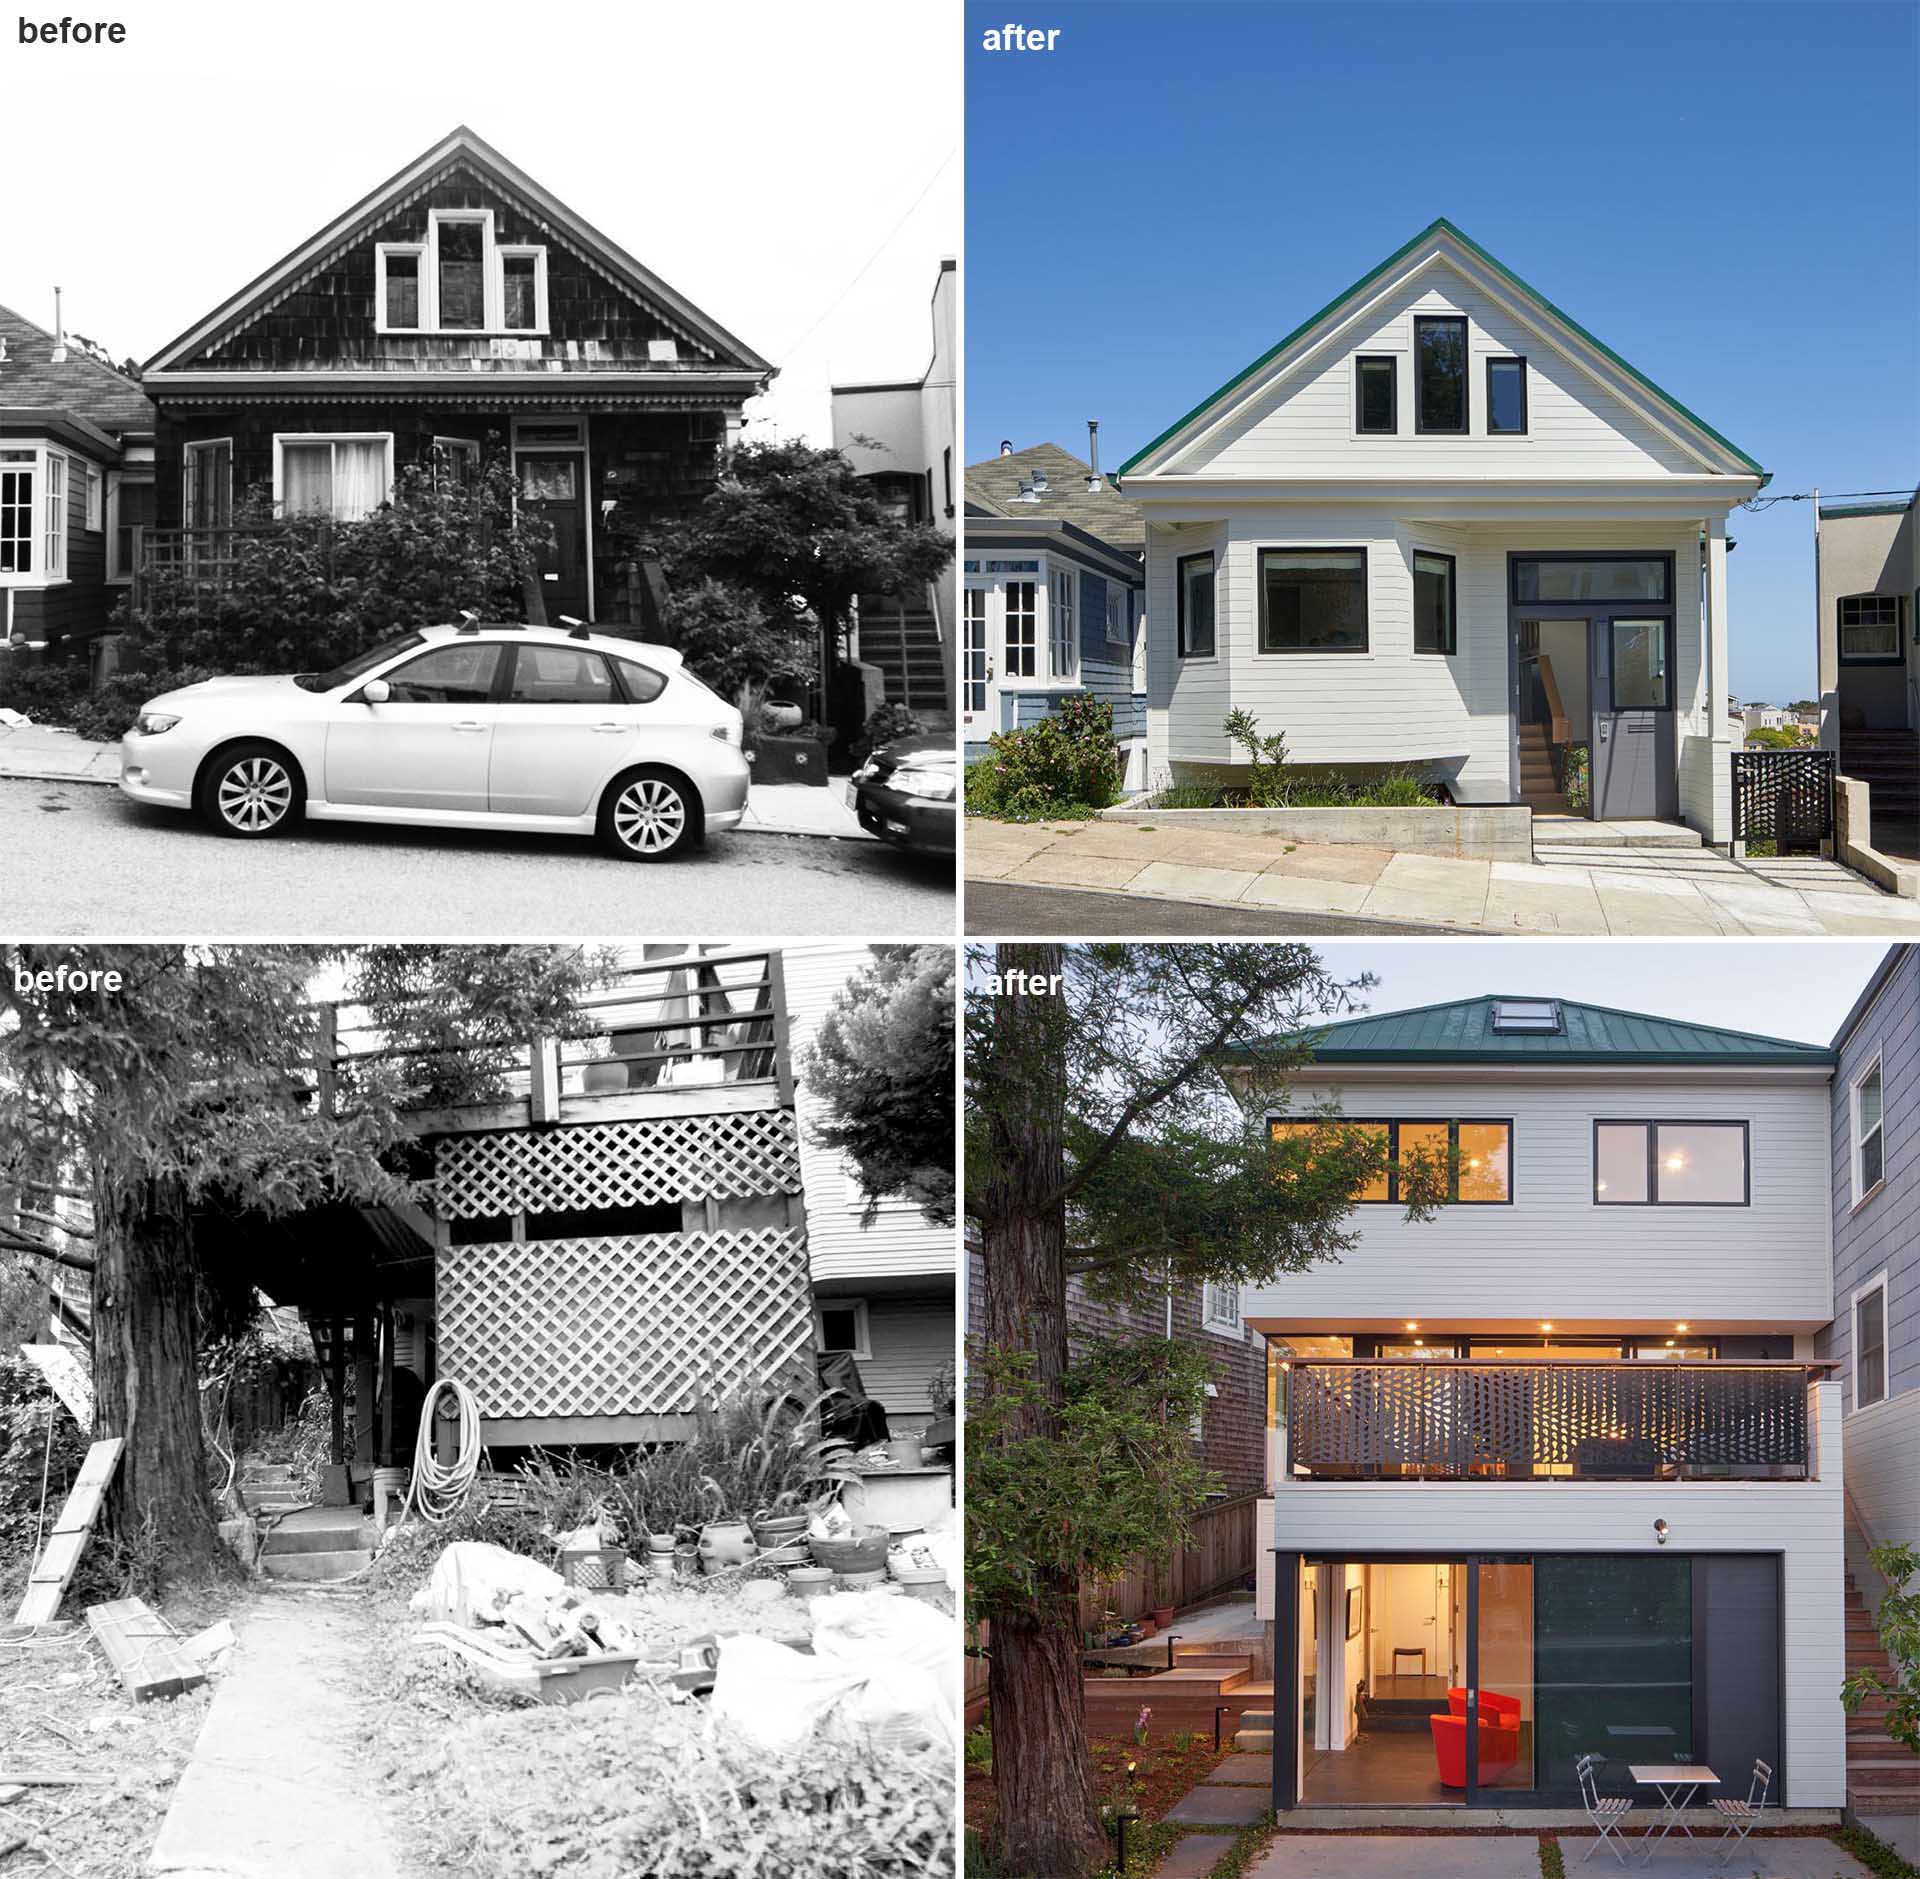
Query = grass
x=1873 y=1853
x=1553 y=1864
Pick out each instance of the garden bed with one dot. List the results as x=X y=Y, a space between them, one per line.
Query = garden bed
x=1471 y=831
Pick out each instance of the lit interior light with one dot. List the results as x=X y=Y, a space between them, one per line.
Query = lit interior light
x=1546 y=1327
x=1419 y=1341
x=1679 y=1327
x=1669 y=1343
x=1413 y=1324
x=1674 y=1163
x=1603 y=1187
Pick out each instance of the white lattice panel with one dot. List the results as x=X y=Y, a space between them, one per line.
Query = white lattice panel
x=616 y=1164
x=617 y=1327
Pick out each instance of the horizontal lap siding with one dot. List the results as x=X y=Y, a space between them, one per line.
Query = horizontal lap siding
x=911 y=1338
x=1883 y=1474
x=1303 y=425
x=1553 y=1254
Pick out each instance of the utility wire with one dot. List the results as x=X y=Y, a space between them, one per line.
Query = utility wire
x=885 y=242
x=1757 y=503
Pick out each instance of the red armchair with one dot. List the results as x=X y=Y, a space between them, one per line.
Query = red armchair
x=1504 y=1711
x=1499 y=1748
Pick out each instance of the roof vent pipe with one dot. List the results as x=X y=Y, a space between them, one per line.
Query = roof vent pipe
x=59 y=331
x=1006 y=446
x=1093 y=455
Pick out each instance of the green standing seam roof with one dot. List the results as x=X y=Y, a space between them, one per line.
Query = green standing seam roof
x=1838 y=512
x=1443 y=226
x=1462 y=1032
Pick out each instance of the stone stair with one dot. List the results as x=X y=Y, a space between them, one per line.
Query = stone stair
x=903 y=640
x=318 y=1545
x=1255 y=1734
x=1888 y=762
x=1882 y=1776
x=269 y=1489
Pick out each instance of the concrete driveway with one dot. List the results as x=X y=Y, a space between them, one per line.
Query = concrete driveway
x=1635 y=891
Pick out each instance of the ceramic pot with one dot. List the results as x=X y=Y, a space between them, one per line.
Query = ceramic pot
x=726 y=1544
x=809 y=1581
x=659 y=1542
x=662 y=1564
x=861 y=1551
x=1162 y=1615
x=905 y=1449
x=862 y=1581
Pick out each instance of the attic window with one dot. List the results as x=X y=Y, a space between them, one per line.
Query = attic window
x=462 y=258
x=1527 y=1017
x=401 y=291
x=1440 y=374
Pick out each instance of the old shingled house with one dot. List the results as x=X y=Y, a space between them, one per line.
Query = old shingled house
x=456 y=311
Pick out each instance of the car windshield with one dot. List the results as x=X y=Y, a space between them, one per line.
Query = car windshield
x=359 y=665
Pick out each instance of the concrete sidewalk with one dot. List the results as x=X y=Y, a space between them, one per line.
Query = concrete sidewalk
x=35 y=753
x=1636 y=891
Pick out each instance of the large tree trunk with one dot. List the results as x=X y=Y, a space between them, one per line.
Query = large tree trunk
x=1047 y=1823
x=146 y=1373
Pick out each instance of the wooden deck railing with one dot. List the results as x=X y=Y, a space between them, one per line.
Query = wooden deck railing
x=1455 y=1420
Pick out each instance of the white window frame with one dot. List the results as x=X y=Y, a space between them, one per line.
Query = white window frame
x=1878 y=1283
x=117 y=480
x=862 y=1321
x=31 y=459
x=1225 y=1322
x=282 y=438
x=1063 y=623
x=53 y=517
x=191 y=472
x=1120 y=615
x=1037 y=679
x=1861 y=1193
x=493 y=252
x=94 y=489
x=457 y=443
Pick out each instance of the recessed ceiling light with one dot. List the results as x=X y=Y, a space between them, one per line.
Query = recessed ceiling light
x=1413 y=1324
x=1546 y=1327
x=1679 y=1327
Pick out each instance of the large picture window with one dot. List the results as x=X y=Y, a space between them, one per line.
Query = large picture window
x=1670 y=1164
x=1479 y=1152
x=1196 y=606
x=346 y=477
x=1440 y=374
x=1433 y=588
x=1313 y=600
x=1869 y=629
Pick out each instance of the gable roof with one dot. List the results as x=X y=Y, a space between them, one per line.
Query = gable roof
x=78 y=386
x=995 y=484
x=460 y=148
x=1536 y=300
x=1462 y=1032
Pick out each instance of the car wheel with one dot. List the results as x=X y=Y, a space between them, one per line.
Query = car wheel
x=649 y=815
x=251 y=790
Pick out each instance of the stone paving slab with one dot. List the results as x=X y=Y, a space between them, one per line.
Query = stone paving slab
x=1359 y=865
x=1244 y=1771
x=1279 y=888
x=1759 y=1858
x=1181 y=882
x=40 y=753
x=1194 y=1855
x=1398 y=1855
x=1213 y=1804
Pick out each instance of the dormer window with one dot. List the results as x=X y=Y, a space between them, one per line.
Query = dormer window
x=460 y=280
x=1440 y=374
x=1527 y=1017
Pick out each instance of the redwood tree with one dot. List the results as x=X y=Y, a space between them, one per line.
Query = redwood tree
x=1102 y=1145
x=193 y=1079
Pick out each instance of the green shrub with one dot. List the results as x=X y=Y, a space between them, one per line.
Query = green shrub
x=45 y=690
x=980 y=1745
x=1273 y=783
x=882 y=727
x=1266 y=760
x=30 y=1417
x=1577 y=785
x=1186 y=796
x=1065 y=766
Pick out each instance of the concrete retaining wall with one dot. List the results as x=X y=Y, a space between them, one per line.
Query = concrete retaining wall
x=1853 y=841
x=1498 y=832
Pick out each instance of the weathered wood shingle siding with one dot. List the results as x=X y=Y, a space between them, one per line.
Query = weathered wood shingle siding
x=1555 y=1253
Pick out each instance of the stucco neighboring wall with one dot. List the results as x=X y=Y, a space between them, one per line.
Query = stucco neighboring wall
x=1867 y=554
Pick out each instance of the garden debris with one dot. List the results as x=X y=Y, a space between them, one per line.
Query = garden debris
x=207 y=1648
x=144 y=1650
x=54 y=1569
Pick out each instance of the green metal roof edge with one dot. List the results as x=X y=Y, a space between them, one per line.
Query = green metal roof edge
x=1841 y=511
x=1499 y=267
x=1782 y=1051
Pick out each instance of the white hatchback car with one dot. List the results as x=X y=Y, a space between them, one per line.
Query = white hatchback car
x=530 y=728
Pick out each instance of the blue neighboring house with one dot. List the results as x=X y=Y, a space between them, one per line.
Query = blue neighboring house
x=1052 y=599
x=1875 y=1334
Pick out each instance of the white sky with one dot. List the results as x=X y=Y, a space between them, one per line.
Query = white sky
x=1799 y=989
x=753 y=155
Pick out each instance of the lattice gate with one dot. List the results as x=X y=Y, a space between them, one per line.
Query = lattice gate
x=1783 y=795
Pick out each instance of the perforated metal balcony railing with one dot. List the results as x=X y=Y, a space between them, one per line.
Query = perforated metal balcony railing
x=1545 y=1420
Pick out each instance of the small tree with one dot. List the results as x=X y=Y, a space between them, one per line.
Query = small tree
x=733 y=638
x=883 y=1061
x=1899 y=1623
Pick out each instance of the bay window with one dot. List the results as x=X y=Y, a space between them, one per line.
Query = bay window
x=1195 y=586
x=1063 y=630
x=53 y=552
x=1433 y=615
x=17 y=512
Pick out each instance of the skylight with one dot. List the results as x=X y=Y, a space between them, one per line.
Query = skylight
x=1536 y=1017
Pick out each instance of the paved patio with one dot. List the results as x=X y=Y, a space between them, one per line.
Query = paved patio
x=1578 y=890
x=1517 y=1856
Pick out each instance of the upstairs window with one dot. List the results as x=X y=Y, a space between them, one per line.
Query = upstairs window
x=1195 y=636
x=1220 y=1306
x=458 y=279
x=1870 y=629
x=516 y=292
x=1670 y=1164
x=1870 y=1343
x=1313 y=600
x=1506 y=397
x=400 y=289
x=1119 y=629
x=462 y=276
x=1433 y=618
x=1440 y=372
x=1376 y=396
x=1478 y=1155
x=1869 y=1134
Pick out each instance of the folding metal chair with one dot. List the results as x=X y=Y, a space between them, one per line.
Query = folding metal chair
x=1607 y=1812
x=1741 y=1815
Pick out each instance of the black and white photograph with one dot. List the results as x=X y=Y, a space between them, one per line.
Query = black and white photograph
x=503 y=460
x=478 y=1409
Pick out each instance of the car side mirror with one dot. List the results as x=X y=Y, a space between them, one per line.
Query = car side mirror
x=375 y=692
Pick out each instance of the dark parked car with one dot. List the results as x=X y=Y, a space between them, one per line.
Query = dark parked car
x=904 y=793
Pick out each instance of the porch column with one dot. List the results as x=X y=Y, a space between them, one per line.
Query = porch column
x=1286 y=1680
x=1718 y=796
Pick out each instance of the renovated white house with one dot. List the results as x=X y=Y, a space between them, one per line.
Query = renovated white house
x=1557 y=1471
x=1441 y=525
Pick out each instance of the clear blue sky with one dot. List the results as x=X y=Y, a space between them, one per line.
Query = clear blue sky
x=1727 y=194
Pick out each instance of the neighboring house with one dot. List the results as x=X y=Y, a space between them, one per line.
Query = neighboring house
x=1565 y=1443
x=1875 y=1335
x=457 y=311
x=1053 y=597
x=883 y=1293
x=1867 y=566
x=1765 y=718
x=76 y=483
x=1441 y=525
x=900 y=435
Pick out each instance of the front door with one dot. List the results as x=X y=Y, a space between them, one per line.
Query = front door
x=1634 y=774
x=1000 y=642
x=553 y=490
x=977 y=669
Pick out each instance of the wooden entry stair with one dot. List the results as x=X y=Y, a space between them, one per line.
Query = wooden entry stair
x=1538 y=789
x=1882 y=1776
x=1183 y=1698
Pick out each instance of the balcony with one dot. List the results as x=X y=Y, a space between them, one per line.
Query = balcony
x=1547 y=1420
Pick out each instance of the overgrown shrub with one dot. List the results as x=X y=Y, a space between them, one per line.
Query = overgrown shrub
x=1576 y=784
x=725 y=634
x=46 y=690
x=882 y=727
x=1065 y=766
x=27 y=1410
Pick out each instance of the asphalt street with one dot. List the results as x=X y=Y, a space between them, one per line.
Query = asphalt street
x=997 y=908
x=82 y=860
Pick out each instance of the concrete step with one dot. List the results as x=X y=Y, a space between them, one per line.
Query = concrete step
x=1871 y=1800
x=316 y=1566
x=1253 y=1741
x=283 y=1542
x=1885 y=1773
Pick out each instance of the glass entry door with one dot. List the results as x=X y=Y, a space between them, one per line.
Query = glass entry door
x=1634 y=773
